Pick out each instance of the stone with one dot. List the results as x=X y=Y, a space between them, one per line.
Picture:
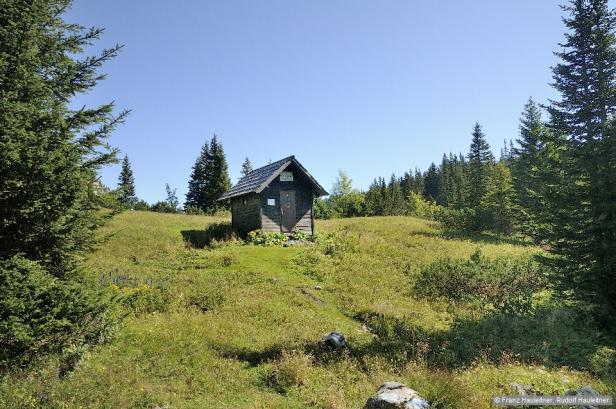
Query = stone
x=394 y=395
x=334 y=340
x=520 y=389
x=318 y=287
x=586 y=391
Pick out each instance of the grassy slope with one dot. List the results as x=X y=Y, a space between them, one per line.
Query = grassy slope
x=241 y=318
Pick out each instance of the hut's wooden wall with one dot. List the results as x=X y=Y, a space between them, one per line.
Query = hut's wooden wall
x=246 y=213
x=270 y=215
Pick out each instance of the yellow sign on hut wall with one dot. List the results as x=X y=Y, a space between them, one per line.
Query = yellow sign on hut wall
x=286 y=176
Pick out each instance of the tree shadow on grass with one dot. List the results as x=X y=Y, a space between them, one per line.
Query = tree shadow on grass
x=222 y=231
x=553 y=337
x=483 y=237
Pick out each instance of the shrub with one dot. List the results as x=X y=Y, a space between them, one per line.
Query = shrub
x=507 y=285
x=323 y=209
x=420 y=207
x=163 y=207
x=466 y=219
x=40 y=313
x=300 y=235
x=260 y=238
x=141 y=205
x=603 y=362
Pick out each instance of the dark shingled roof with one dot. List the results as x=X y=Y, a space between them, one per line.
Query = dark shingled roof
x=260 y=178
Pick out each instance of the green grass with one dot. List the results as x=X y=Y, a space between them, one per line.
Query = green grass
x=238 y=326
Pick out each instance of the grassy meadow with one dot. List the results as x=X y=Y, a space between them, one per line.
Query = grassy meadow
x=237 y=326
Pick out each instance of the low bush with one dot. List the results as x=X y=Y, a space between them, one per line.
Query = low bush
x=506 y=285
x=41 y=314
x=260 y=238
x=337 y=244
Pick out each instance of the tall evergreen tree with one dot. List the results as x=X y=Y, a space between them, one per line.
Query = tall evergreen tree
x=586 y=78
x=480 y=158
x=196 y=184
x=217 y=180
x=432 y=183
x=499 y=198
x=126 y=185
x=395 y=199
x=50 y=154
x=246 y=167
x=529 y=158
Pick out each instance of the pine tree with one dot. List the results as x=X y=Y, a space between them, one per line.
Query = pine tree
x=217 y=180
x=195 y=196
x=246 y=167
x=432 y=183
x=586 y=78
x=395 y=199
x=499 y=198
x=126 y=185
x=527 y=180
x=50 y=155
x=480 y=158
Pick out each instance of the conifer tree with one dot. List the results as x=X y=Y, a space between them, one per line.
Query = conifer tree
x=126 y=185
x=586 y=77
x=527 y=180
x=432 y=182
x=395 y=202
x=217 y=179
x=196 y=185
x=480 y=158
x=50 y=154
x=499 y=198
x=246 y=167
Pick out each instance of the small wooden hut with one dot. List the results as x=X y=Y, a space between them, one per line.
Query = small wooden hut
x=277 y=197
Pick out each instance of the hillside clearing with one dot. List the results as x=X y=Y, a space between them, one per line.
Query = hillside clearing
x=238 y=325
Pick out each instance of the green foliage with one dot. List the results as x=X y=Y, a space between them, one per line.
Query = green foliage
x=209 y=178
x=345 y=201
x=499 y=199
x=291 y=370
x=580 y=201
x=260 y=238
x=126 y=185
x=418 y=206
x=466 y=219
x=50 y=197
x=480 y=159
x=246 y=167
x=41 y=314
x=603 y=362
x=141 y=205
x=300 y=235
x=163 y=207
x=143 y=299
x=504 y=285
x=322 y=208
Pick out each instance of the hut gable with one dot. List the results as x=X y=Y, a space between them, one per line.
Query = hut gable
x=277 y=197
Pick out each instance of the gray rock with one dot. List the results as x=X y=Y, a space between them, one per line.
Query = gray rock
x=520 y=389
x=585 y=391
x=334 y=340
x=394 y=395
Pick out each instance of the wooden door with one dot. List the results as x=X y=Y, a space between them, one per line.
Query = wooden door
x=287 y=210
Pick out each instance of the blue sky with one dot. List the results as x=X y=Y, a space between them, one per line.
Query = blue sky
x=364 y=86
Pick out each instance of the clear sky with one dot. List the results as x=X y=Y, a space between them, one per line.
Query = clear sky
x=370 y=87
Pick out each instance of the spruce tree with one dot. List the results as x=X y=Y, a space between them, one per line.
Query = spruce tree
x=585 y=77
x=395 y=199
x=197 y=182
x=50 y=154
x=126 y=185
x=432 y=183
x=528 y=159
x=480 y=158
x=217 y=179
x=499 y=198
x=246 y=167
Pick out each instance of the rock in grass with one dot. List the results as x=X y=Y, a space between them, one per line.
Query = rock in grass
x=334 y=340
x=394 y=395
x=586 y=391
